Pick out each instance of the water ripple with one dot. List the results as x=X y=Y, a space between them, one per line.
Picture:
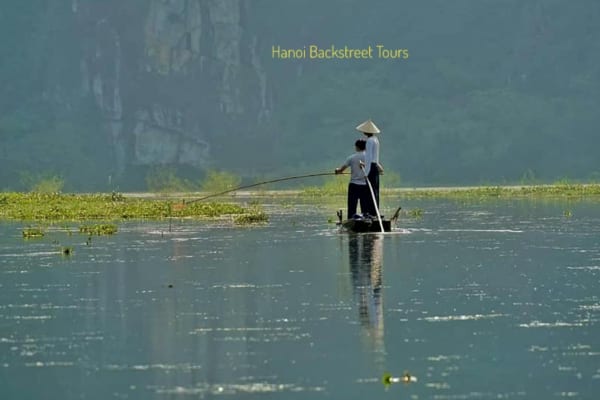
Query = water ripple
x=461 y=317
x=233 y=389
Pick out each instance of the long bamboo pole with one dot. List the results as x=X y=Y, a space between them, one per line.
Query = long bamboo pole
x=374 y=199
x=258 y=184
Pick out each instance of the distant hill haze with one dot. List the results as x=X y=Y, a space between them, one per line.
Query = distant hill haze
x=468 y=92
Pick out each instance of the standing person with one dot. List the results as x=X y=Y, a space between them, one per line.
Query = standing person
x=372 y=166
x=357 y=188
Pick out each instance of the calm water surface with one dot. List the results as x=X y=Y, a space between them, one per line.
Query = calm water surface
x=492 y=301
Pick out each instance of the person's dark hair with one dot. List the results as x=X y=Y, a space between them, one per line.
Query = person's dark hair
x=361 y=144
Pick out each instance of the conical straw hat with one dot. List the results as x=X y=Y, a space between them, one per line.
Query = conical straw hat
x=368 y=127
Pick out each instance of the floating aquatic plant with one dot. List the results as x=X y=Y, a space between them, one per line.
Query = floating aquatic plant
x=406 y=378
x=415 y=213
x=386 y=379
x=99 y=229
x=560 y=190
x=251 y=218
x=29 y=233
x=85 y=207
x=256 y=215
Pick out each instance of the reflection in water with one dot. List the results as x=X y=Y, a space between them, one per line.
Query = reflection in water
x=366 y=264
x=475 y=311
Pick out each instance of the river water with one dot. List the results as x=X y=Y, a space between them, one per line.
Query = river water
x=498 y=300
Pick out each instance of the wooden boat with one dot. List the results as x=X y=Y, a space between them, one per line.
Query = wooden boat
x=366 y=223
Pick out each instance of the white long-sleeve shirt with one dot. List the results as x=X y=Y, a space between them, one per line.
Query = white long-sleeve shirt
x=371 y=153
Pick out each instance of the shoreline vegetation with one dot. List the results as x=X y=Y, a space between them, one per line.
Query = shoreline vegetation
x=542 y=191
x=49 y=207
x=56 y=207
x=558 y=190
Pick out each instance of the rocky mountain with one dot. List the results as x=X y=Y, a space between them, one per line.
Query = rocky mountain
x=169 y=76
x=102 y=92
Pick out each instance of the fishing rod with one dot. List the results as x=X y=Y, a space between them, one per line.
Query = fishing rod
x=260 y=183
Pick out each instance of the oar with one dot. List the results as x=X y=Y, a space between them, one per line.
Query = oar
x=373 y=197
x=259 y=183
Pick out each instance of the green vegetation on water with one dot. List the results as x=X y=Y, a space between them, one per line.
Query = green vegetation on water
x=98 y=229
x=82 y=207
x=29 y=233
x=114 y=206
x=558 y=190
x=414 y=213
x=251 y=218
x=255 y=215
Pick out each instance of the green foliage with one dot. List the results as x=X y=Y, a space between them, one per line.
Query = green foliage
x=386 y=379
x=562 y=190
x=254 y=215
x=415 y=213
x=220 y=181
x=528 y=177
x=251 y=218
x=75 y=151
x=42 y=182
x=562 y=182
x=519 y=95
x=456 y=114
x=71 y=207
x=98 y=229
x=165 y=180
x=29 y=233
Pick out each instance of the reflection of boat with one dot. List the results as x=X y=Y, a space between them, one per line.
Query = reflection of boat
x=366 y=223
x=366 y=263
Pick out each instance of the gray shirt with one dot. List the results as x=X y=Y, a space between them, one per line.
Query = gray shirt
x=356 y=174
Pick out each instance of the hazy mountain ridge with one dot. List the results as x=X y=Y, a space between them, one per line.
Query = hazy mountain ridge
x=492 y=91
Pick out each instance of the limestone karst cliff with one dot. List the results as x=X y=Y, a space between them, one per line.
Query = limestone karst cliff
x=106 y=91
x=170 y=75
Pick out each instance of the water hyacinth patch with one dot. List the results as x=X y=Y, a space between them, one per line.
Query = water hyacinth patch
x=29 y=233
x=99 y=229
x=256 y=216
x=559 y=190
x=82 y=207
